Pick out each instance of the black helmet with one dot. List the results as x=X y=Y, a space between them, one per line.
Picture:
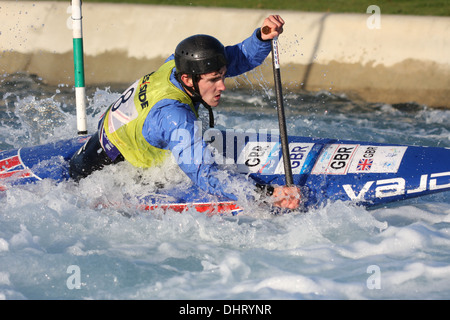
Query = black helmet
x=199 y=54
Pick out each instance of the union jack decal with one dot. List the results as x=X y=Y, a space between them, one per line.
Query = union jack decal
x=364 y=164
x=13 y=166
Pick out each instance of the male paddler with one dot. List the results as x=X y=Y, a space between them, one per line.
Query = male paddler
x=140 y=126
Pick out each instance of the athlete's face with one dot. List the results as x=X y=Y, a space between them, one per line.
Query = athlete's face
x=211 y=86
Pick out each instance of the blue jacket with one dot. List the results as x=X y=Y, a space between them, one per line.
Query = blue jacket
x=167 y=116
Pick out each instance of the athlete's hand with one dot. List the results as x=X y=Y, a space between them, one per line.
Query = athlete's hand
x=286 y=197
x=272 y=27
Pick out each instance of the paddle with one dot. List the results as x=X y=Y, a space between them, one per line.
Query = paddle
x=280 y=109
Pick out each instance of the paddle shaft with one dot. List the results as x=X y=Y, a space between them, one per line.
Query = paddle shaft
x=280 y=109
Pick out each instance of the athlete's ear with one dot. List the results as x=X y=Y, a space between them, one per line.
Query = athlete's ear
x=187 y=80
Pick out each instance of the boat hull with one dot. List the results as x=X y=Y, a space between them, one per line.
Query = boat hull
x=327 y=170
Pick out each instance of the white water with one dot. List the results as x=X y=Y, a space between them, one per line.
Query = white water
x=52 y=235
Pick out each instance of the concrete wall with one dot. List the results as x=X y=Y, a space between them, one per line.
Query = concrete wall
x=407 y=59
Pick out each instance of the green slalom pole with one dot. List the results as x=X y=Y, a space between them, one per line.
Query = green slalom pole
x=280 y=110
x=80 y=91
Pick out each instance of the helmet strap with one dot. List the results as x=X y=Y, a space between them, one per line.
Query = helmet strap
x=196 y=97
x=211 y=114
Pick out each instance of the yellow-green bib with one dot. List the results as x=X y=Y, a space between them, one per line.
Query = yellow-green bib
x=125 y=118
